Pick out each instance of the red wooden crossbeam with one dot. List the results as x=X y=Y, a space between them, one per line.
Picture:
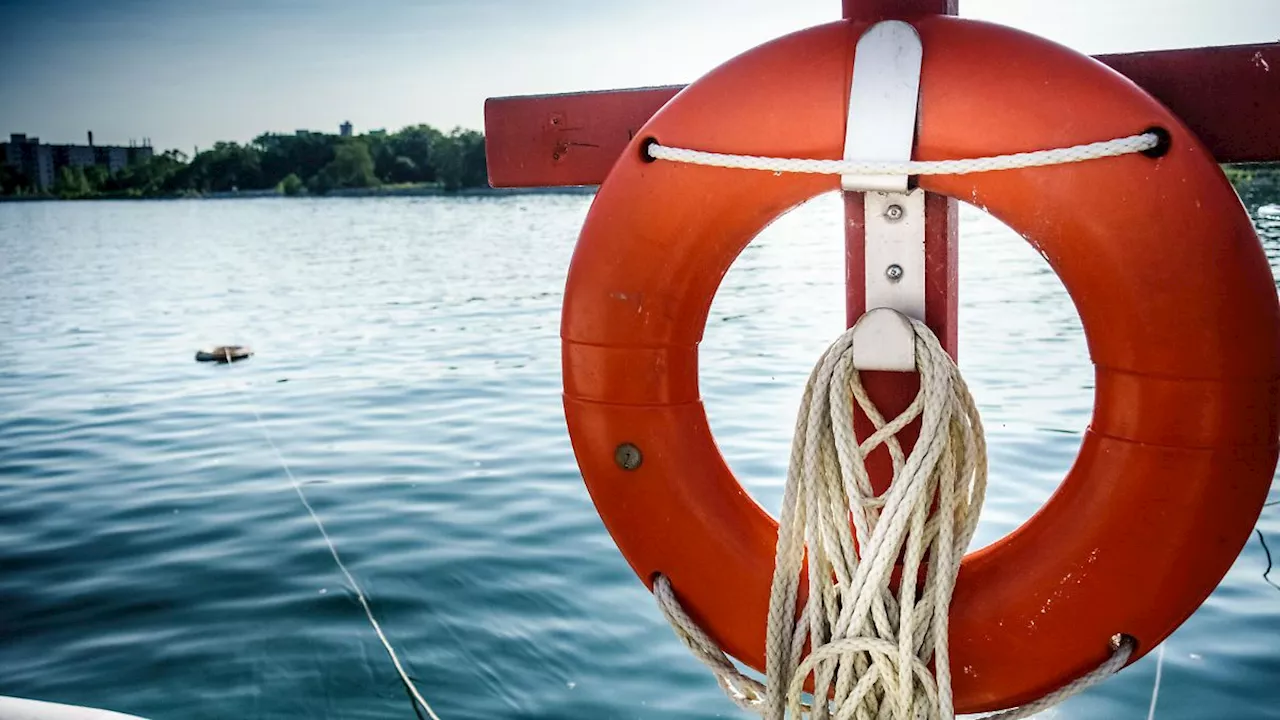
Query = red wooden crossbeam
x=1230 y=97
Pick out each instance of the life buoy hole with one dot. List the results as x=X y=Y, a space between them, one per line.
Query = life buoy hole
x=1022 y=352
x=644 y=149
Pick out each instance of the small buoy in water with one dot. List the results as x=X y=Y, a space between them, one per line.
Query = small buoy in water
x=224 y=354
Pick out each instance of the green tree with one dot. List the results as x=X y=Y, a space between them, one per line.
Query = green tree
x=98 y=177
x=352 y=167
x=475 y=171
x=303 y=155
x=403 y=170
x=71 y=183
x=459 y=159
x=13 y=181
x=291 y=185
x=417 y=153
x=447 y=157
x=157 y=176
x=225 y=167
x=415 y=144
x=382 y=150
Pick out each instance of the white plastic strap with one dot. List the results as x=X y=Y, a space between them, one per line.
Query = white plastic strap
x=883 y=100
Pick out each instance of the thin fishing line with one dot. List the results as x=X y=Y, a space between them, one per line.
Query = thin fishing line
x=355 y=586
x=1155 y=689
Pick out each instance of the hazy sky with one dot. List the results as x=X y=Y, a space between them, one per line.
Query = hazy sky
x=188 y=73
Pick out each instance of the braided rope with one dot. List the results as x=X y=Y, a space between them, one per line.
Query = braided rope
x=1057 y=156
x=871 y=647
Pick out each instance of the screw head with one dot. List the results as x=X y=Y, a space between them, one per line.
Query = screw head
x=894 y=213
x=894 y=272
x=628 y=456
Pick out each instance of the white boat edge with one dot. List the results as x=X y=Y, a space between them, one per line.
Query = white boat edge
x=12 y=708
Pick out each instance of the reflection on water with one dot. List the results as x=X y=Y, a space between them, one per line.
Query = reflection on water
x=154 y=559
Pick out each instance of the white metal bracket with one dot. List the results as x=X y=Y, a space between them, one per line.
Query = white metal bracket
x=883 y=340
x=883 y=96
x=894 y=273
x=883 y=100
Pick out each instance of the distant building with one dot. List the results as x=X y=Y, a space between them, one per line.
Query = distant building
x=73 y=155
x=345 y=129
x=30 y=158
x=139 y=154
x=40 y=163
x=115 y=158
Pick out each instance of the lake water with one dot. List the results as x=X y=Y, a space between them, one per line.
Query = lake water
x=155 y=560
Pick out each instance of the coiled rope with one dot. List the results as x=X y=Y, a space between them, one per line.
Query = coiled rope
x=871 y=645
x=1057 y=156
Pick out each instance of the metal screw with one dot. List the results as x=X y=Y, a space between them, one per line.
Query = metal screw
x=894 y=272
x=628 y=456
x=894 y=213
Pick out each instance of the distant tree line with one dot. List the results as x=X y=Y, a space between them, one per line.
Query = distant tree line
x=306 y=162
x=1257 y=184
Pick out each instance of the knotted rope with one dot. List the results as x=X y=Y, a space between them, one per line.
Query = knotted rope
x=871 y=645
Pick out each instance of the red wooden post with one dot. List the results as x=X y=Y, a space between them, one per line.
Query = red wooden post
x=893 y=392
x=941 y=229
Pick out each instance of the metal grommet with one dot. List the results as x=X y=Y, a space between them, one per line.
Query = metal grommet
x=644 y=149
x=628 y=456
x=1164 y=141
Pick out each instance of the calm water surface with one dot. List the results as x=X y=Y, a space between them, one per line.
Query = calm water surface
x=155 y=560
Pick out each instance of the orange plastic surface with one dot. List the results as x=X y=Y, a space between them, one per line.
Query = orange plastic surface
x=1175 y=294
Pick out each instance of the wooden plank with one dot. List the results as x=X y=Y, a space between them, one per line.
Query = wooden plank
x=558 y=140
x=1230 y=96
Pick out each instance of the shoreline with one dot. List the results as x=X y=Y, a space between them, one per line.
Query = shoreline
x=1251 y=183
x=393 y=191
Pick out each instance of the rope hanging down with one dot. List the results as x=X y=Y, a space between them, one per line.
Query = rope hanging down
x=1057 y=156
x=419 y=703
x=871 y=644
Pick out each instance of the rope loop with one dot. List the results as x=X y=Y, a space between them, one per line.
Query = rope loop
x=871 y=644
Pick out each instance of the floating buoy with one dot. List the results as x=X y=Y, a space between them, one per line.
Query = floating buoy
x=224 y=354
x=1172 y=286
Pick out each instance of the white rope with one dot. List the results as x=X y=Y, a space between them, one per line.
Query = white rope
x=870 y=647
x=1057 y=156
x=1122 y=648
x=351 y=581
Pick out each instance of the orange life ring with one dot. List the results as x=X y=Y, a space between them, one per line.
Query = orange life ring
x=1174 y=291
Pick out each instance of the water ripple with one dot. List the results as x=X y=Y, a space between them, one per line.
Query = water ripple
x=155 y=560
